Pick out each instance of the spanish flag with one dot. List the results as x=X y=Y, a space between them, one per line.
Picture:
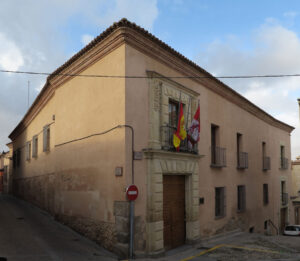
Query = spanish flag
x=180 y=134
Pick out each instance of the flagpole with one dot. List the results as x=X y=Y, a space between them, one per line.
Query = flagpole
x=188 y=112
x=177 y=149
x=179 y=109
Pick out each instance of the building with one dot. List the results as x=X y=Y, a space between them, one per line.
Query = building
x=296 y=188
x=72 y=154
x=296 y=185
x=6 y=170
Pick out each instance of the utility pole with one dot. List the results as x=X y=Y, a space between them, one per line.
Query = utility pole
x=28 y=95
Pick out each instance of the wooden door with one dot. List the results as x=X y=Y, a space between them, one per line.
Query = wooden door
x=174 y=211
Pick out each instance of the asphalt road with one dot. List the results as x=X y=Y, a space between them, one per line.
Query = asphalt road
x=30 y=234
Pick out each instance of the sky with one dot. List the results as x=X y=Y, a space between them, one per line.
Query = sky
x=227 y=37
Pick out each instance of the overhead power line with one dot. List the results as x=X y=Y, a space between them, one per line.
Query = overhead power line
x=151 y=77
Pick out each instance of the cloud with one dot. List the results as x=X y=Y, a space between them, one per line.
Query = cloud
x=38 y=39
x=290 y=14
x=273 y=49
x=11 y=57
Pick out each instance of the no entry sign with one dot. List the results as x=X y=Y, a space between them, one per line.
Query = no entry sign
x=132 y=192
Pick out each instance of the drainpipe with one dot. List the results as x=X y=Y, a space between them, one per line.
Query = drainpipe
x=131 y=233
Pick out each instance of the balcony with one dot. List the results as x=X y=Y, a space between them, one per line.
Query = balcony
x=218 y=157
x=266 y=163
x=167 y=141
x=284 y=163
x=242 y=160
x=284 y=199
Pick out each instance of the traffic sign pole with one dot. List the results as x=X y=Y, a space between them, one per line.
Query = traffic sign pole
x=132 y=193
x=131 y=228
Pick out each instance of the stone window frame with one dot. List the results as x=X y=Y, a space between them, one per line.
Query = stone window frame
x=162 y=90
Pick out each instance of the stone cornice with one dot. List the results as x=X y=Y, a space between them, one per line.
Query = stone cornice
x=158 y=154
x=155 y=75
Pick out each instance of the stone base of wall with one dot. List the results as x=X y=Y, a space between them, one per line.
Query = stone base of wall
x=41 y=191
x=38 y=190
x=102 y=233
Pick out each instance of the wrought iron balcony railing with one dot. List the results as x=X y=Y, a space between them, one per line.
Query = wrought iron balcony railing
x=266 y=163
x=242 y=160
x=218 y=157
x=167 y=133
x=284 y=163
x=284 y=199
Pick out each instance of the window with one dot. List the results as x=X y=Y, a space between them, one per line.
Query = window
x=214 y=132
x=173 y=113
x=283 y=160
x=14 y=159
x=34 y=146
x=284 y=195
x=242 y=157
x=18 y=158
x=238 y=145
x=46 y=138
x=220 y=206
x=218 y=155
x=28 y=150
x=241 y=198
x=265 y=194
x=5 y=173
x=264 y=149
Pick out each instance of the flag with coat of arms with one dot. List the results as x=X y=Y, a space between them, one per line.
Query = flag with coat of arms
x=194 y=129
x=180 y=133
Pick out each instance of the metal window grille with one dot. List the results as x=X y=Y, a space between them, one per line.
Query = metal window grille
x=265 y=194
x=167 y=133
x=242 y=160
x=218 y=157
x=284 y=198
x=220 y=202
x=284 y=163
x=266 y=163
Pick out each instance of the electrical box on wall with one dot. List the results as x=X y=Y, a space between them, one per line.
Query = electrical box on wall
x=118 y=171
